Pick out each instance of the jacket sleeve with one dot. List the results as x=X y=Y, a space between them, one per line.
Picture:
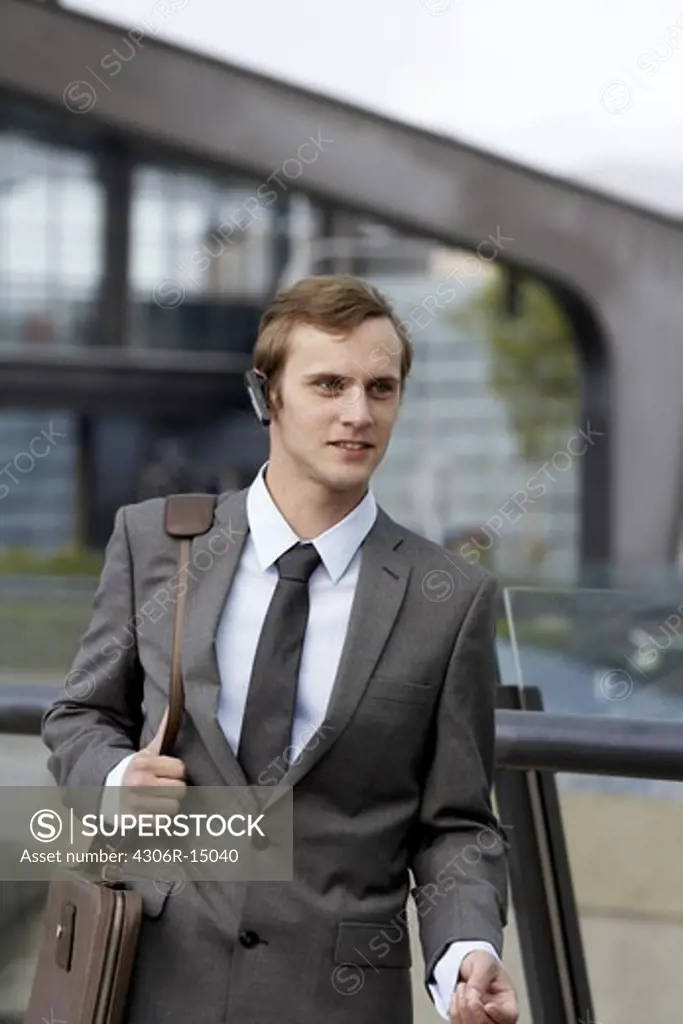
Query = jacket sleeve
x=97 y=719
x=459 y=851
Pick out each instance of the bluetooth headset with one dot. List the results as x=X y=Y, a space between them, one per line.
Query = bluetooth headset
x=257 y=386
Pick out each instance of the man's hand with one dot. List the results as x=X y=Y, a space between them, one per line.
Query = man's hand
x=484 y=993
x=148 y=768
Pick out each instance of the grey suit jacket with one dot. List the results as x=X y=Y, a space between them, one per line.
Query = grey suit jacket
x=400 y=779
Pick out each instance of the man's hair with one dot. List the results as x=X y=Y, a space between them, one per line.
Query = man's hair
x=336 y=303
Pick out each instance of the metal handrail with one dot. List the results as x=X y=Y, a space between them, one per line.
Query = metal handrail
x=525 y=740
x=22 y=707
x=590 y=745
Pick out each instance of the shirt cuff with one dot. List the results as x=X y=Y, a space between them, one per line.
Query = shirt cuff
x=110 y=803
x=447 y=972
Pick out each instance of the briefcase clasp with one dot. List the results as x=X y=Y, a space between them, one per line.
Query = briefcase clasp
x=64 y=936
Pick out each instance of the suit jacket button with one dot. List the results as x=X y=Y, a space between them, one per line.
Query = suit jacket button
x=260 y=842
x=249 y=939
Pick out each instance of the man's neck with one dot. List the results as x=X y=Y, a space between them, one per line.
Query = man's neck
x=305 y=505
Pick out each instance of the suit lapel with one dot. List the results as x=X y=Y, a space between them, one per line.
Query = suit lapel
x=213 y=563
x=380 y=591
x=379 y=594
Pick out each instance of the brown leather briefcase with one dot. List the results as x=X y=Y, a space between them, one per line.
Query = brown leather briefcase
x=91 y=925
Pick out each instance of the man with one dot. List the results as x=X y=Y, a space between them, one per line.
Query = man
x=392 y=717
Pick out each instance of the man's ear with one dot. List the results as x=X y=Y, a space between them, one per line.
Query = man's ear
x=274 y=398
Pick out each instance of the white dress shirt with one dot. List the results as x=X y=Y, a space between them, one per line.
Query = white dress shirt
x=331 y=590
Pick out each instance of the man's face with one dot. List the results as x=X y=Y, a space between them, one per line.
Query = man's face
x=337 y=388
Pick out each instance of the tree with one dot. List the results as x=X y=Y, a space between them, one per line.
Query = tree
x=533 y=364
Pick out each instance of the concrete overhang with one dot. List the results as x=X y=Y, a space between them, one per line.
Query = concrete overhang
x=180 y=385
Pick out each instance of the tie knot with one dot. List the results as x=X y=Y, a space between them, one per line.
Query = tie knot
x=298 y=563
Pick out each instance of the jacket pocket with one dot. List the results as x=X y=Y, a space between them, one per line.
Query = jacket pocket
x=388 y=688
x=382 y=944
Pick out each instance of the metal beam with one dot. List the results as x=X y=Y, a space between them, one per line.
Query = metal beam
x=116 y=172
x=541 y=887
x=622 y=265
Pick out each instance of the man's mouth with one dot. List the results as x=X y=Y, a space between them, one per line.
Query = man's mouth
x=352 y=446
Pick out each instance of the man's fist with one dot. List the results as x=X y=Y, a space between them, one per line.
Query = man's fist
x=148 y=768
x=484 y=994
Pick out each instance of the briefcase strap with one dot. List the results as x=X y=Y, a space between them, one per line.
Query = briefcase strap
x=185 y=516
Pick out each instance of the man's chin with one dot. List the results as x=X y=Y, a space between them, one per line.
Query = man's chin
x=346 y=478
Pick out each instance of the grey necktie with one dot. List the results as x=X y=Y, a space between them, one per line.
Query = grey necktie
x=269 y=711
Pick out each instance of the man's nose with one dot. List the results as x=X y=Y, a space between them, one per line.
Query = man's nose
x=356 y=407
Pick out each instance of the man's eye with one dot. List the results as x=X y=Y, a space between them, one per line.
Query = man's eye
x=332 y=385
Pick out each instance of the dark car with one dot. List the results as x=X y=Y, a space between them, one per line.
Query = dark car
x=645 y=641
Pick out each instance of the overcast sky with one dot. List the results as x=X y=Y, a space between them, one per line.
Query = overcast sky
x=592 y=89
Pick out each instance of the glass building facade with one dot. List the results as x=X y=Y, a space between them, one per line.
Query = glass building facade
x=200 y=258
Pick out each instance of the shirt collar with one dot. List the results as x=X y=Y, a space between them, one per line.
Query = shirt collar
x=272 y=535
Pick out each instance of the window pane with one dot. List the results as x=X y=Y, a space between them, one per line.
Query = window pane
x=51 y=224
x=200 y=261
